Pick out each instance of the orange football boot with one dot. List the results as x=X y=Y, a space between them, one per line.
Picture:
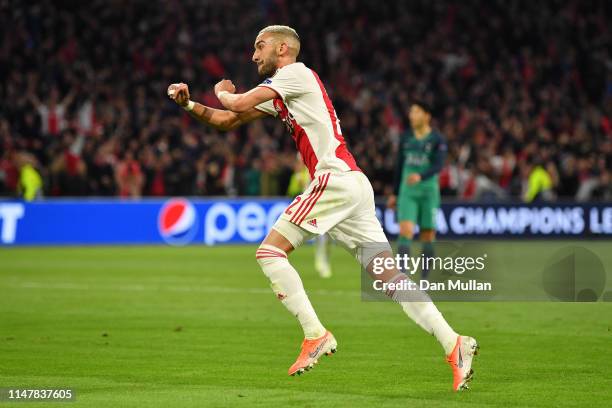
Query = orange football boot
x=460 y=360
x=311 y=351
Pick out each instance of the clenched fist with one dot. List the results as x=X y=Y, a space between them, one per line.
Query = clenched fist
x=179 y=93
x=225 y=85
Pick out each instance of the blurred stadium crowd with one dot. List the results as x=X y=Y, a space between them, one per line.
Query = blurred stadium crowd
x=522 y=91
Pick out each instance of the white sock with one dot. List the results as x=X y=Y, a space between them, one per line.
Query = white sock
x=420 y=308
x=288 y=288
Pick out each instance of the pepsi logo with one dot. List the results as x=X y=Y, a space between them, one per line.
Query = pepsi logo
x=177 y=221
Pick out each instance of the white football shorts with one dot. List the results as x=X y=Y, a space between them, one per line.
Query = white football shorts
x=340 y=204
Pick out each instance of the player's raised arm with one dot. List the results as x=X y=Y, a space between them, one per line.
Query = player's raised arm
x=226 y=92
x=217 y=118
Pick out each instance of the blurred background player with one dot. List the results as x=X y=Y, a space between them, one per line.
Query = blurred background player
x=322 y=249
x=297 y=184
x=421 y=155
x=30 y=183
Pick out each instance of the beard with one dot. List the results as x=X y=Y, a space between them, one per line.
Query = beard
x=267 y=68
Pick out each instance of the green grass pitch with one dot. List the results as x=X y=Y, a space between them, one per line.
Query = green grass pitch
x=198 y=326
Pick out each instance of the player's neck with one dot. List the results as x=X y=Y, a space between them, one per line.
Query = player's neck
x=421 y=131
x=284 y=61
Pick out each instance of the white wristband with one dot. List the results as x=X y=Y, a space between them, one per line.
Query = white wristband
x=189 y=106
x=221 y=93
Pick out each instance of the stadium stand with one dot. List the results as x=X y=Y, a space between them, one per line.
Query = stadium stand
x=526 y=104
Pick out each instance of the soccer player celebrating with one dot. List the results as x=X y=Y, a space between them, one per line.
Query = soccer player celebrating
x=339 y=200
x=421 y=155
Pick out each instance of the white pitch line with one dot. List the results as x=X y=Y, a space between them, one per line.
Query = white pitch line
x=144 y=288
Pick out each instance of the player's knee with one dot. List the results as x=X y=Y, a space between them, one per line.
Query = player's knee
x=286 y=236
x=407 y=229
x=427 y=235
x=372 y=255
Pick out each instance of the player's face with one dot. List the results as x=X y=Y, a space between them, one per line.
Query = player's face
x=265 y=55
x=418 y=117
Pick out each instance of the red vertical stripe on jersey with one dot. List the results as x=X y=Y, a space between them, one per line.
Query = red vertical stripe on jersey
x=341 y=151
x=305 y=148
x=299 y=135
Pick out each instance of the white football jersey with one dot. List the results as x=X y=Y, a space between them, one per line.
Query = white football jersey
x=309 y=116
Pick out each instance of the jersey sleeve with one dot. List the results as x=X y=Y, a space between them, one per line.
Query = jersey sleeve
x=267 y=107
x=438 y=159
x=286 y=83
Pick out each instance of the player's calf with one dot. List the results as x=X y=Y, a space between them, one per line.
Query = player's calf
x=287 y=286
